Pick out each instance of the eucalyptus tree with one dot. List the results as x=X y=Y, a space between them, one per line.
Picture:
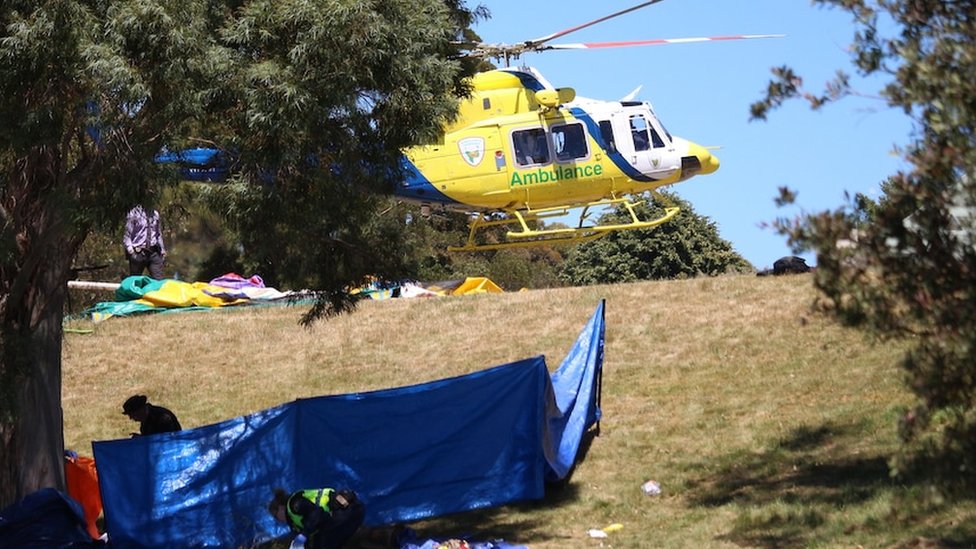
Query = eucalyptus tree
x=311 y=98
x=908 y=270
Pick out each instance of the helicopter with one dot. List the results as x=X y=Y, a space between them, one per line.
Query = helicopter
x=522 y=151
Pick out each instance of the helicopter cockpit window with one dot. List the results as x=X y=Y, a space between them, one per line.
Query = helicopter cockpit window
x=531 y=146
x=569 y=142
x=606 y=132
x=638 y=129
x=656 y=139
x=666 y=132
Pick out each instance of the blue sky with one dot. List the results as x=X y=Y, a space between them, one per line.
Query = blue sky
x=702 y=92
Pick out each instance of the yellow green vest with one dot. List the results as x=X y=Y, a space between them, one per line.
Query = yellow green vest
x=318 y=497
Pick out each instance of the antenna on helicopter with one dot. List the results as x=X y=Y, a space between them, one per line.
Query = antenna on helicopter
x=632 y=95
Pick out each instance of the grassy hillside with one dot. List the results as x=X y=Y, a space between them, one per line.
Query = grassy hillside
x=765 y=425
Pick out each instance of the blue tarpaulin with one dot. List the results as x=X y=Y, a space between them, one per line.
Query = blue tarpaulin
x=45 y=519
x=479 y=440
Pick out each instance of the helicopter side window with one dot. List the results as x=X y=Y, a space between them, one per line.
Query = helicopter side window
x=569 y=142
x=638 y=130
x=606 y=132
x=531 y=146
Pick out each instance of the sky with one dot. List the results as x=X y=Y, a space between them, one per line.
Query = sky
x=702 y=92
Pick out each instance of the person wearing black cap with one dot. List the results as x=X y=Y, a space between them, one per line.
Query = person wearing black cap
x=152 y=419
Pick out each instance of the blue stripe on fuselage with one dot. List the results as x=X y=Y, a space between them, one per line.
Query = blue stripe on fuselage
x=417 y=188
x=615 y=157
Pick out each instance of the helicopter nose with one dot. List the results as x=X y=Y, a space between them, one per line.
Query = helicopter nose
x=699 y=160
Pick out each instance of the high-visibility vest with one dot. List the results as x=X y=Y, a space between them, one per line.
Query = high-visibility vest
x=319 y=497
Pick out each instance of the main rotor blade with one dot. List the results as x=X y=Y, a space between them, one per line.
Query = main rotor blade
x=654 y=42
x=543 y=39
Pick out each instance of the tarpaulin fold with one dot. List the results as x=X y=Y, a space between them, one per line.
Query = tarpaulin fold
x=473 y=441
x=44 y=519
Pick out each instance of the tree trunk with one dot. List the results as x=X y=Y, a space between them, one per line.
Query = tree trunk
x=31 y=437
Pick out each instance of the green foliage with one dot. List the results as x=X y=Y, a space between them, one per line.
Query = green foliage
x=534 y=267
x=907 y=269
x=688 y=245
x=428 y=238
x=318 y=100
x=89 y=93
x=199 y=243
x=431 y=235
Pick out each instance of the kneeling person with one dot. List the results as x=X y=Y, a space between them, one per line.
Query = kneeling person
x=326 y=517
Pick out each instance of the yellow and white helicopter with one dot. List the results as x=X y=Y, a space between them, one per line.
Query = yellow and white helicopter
x=530 y=151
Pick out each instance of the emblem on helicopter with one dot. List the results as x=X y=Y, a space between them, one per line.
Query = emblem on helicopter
x=472 y=150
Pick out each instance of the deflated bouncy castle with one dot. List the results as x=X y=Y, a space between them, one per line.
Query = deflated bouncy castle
x=141 y=294
x=480 y=440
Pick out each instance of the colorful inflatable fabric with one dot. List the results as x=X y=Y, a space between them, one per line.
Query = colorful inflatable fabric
x=470 y=285
x=141 y=294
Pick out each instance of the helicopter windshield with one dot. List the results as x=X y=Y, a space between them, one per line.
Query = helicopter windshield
x=661 y=125
x=666 y=132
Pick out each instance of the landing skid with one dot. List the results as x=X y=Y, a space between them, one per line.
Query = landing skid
x=523 y=236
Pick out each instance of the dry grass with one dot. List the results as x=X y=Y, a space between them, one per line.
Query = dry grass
x=765 y=424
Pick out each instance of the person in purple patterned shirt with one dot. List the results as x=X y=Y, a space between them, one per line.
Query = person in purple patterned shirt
x=143 y=242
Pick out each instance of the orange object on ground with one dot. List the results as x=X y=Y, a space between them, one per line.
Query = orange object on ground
x=82 y=481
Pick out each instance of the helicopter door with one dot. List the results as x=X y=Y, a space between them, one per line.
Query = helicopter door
x=642 y=146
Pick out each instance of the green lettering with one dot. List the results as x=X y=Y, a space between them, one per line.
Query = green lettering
x=555 y=173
